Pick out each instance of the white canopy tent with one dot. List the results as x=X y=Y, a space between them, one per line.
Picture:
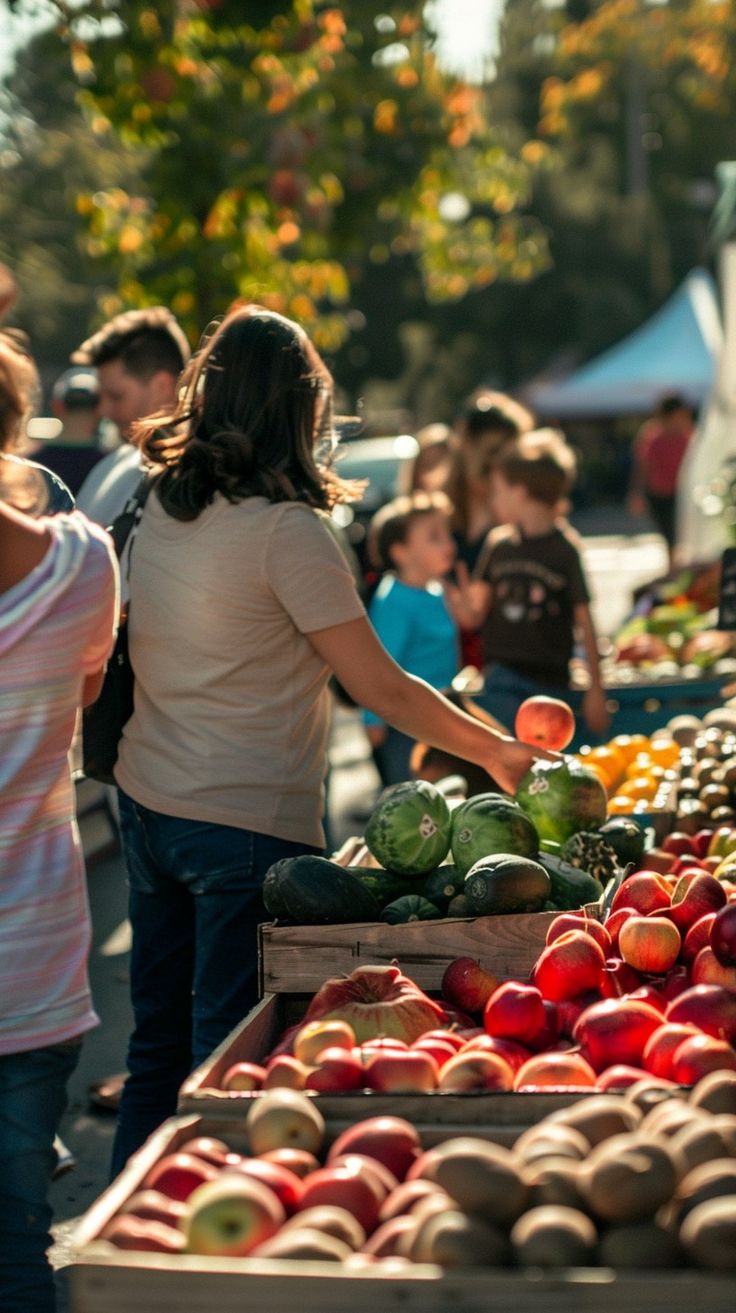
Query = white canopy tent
x=675 y=350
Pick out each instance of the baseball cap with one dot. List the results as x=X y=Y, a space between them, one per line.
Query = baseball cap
x=77 y=387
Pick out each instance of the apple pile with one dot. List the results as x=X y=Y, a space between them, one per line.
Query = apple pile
x=645 y=1180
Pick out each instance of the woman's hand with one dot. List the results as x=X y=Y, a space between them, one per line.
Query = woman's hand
x=510 y=759
x=595 y=711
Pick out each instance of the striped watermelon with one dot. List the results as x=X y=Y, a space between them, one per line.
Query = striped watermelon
x=409 y=830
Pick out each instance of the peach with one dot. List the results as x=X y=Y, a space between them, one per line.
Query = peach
x=545 y=722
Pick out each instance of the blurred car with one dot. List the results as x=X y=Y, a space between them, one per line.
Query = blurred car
x=385 y=463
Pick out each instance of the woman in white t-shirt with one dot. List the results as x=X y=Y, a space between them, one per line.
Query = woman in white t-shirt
x=58 y=610
x=241 y=605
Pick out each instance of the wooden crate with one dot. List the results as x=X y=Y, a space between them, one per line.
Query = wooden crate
x=298 y=959
x=122 y=1281
x=502 y=1114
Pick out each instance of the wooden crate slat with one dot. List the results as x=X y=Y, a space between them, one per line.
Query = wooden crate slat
x=122 y=1281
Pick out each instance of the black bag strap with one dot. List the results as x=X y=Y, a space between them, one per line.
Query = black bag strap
x=127 y=521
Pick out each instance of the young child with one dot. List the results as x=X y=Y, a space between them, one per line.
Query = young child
x=410 y=539
x=530 y=593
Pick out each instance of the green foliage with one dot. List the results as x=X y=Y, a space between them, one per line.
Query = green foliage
x=289 y=149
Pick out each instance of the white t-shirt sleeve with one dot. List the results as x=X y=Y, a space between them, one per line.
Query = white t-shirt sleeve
x=100 y=580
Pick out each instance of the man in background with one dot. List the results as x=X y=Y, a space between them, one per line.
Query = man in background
x=76 y=450
x=659 y=449
x=138 y=356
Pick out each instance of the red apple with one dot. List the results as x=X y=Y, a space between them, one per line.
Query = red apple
x=244 y=1076
x=285 y=1073
x=453 y=1037
x=390 y=1140
x=515 y=1054
x=723 y=935
x=467 y=985
x=179 y=1174
x=231 y=1216
x=694 y=896
x=377 y=1000
x=348 y=1187
x=385 y=1180
x=556 y=1070
x=707 y=970
x=439 y=1049
x=545 y=722
x=389 y=1238
x=675 y=983
x=299 y=1161
x=395 y=1073
x=382 y=1044
x=405 y=1197
x=697 y=937
x=650 y=943
x=651 y=994
x=701 y=843
x=618 y=978
x=679 y=844
x=699 y=1054
x=689 y=866
x=203 y=1146
x=620 y=1077
x=645 y=892
x=616 y=920
x=128 y=1231
x=515 y=1011
x=286 y=1185
x=551 y=1030
x=571 y=1009
x=335 y=1070
x=709 y=1007
x=661 y=1047
x=569 y=966
x=579 y=921
x=616 y=1031
x=155 y=1206
x=315 y=1036
x=476 y=1069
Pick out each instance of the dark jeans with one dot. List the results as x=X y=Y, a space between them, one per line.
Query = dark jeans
x=195 y=905
x=32 y=1100
x=392 y=757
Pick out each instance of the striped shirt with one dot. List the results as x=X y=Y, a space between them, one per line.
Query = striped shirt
x=56 y=627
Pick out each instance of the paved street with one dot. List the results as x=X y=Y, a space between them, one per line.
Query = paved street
x=615 y=565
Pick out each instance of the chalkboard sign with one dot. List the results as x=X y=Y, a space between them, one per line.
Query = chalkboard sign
x=727 y=591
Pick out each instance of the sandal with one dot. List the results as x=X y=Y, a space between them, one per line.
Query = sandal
x=104 y=1095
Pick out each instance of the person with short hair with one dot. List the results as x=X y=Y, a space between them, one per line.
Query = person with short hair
x=138 y=356
x=530 y=594
x=411 y=544
x=75 y=451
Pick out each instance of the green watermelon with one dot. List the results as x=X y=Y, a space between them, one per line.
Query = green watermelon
x=562 y=797
x=409 y=830
x=490 y=823
x=412 y=907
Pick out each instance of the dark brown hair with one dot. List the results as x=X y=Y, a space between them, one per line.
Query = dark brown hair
x=542 y=462
x=246 y=423
x=489 y=421
x=145 y=342
x=392 y=523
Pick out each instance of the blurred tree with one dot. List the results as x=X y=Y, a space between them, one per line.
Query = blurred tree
x=290 y=148
x=49 y=155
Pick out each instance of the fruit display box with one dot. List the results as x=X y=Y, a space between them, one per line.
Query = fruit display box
x=503 y=1114
x=643 y=708
x=123 y=1281
x=297 y=959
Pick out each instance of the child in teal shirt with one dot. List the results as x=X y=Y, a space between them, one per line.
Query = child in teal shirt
x=411 y=540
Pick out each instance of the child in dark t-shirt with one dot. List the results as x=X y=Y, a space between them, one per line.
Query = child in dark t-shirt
x=529 y=592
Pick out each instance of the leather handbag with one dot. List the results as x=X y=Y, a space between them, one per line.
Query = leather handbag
x=104 y=720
